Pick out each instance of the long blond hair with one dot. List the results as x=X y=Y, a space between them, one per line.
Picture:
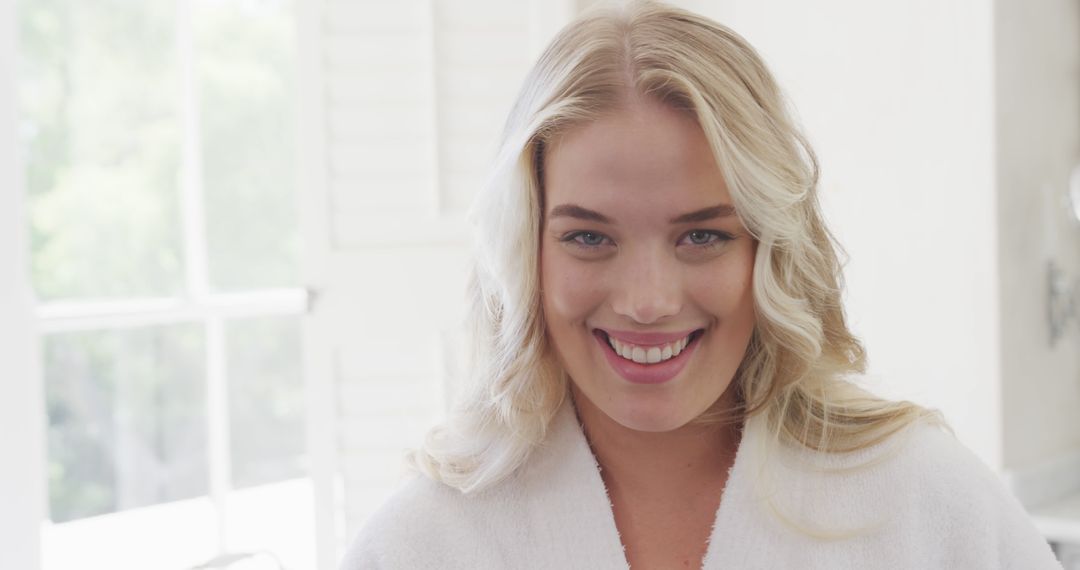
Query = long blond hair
x=797 y=368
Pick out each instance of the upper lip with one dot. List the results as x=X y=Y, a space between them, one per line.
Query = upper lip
x=647 y=338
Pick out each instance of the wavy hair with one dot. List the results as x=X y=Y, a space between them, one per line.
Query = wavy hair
x=797 y=372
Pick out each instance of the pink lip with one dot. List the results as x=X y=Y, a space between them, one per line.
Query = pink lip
x=647 y=339
x=647 y=373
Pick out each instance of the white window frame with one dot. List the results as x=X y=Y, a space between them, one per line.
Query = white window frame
x=22 y=431
x=198 y=304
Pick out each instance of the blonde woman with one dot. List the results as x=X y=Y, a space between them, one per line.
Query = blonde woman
x=663 y=370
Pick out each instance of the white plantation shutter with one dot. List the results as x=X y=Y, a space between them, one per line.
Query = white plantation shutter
x=403 y=105
x=381 y=100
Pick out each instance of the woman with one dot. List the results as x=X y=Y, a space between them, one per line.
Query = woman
x=662 y=360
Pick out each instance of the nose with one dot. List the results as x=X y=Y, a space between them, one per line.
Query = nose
x=649 y=287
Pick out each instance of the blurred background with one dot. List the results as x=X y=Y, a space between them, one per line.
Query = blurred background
x=233 y=247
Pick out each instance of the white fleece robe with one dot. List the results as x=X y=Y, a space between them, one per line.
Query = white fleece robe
x=924 y=502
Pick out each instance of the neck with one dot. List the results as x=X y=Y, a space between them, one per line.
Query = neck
x=657 y=463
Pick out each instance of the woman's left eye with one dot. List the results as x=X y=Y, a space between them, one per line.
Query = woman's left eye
x=705 y=238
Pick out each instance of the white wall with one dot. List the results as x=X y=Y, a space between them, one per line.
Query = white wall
x=897 y=99
x=946 y=132
x=1038 y=142
x=22 y=445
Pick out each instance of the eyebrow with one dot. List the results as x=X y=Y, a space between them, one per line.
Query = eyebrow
x=575 y=211
x=705 y=214
x=702 y=215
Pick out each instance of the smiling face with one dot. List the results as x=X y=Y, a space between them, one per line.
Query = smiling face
x=646 y=270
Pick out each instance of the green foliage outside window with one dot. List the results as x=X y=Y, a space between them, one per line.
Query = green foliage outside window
x=101 y=107
x=101 y=127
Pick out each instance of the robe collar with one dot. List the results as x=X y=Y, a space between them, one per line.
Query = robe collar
x=567 y=499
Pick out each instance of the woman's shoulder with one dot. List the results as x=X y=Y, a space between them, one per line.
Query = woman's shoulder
x=409 y=528
x=940 y=470
x=924 y=486
x=395 y=521
x=554 y=497
x=927 y=467
x=967 y=502
x=931 y=457
x=918 y=499
x=395 y=534
x=922 y=455
x=425 y=522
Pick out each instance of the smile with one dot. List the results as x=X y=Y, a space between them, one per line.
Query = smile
x=647 y=358
x=648 y=354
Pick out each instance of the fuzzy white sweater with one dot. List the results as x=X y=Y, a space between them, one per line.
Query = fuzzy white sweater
x=924 y=501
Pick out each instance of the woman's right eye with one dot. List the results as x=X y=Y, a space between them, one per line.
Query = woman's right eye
x=588 y=240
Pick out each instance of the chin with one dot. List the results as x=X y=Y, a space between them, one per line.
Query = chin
x=647 y=414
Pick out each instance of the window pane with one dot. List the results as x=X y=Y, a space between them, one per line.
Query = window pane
x=266 y=400
x=127 y=420
x=246 y=58
x=99 y=117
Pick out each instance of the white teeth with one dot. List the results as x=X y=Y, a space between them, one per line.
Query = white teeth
x=648 y=355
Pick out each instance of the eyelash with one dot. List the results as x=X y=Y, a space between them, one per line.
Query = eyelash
x=720 y=239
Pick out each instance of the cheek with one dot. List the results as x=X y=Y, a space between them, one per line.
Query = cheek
x=726 y=290
x=570 y=288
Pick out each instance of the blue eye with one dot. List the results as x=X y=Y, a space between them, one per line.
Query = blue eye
x=589 y=238
x=586 y=239
x=706 y=237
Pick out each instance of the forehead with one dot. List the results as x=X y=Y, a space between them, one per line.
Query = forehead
x=643 y=152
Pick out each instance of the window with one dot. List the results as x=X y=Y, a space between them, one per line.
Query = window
x=160 y=154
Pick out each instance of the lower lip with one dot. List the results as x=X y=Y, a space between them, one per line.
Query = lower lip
x=646 y=373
